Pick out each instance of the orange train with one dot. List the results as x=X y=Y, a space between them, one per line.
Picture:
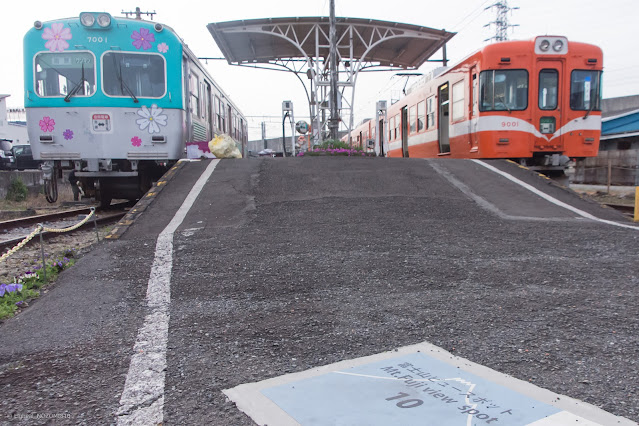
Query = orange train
x=535 y=101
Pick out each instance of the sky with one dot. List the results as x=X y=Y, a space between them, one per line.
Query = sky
x=612 y=25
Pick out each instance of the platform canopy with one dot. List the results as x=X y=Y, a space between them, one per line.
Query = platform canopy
x=385 y=43
x=303 y=45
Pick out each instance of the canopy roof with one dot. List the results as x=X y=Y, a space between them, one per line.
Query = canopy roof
x=381 y=42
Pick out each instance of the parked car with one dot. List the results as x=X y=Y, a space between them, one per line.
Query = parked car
x=6 y=155
x=24 y=158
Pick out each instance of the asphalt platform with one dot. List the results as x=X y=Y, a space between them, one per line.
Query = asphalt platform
x=270 y=290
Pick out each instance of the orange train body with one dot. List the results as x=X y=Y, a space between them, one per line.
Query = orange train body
x=516 y=99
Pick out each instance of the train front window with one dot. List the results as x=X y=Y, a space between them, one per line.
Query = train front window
x=548 y=89
x=133 y=75
x=503 y=90
x=585 y=90
x=59 y=74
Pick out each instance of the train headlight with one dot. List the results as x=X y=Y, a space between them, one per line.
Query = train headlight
x=158 y=27
x=87 y=19
x=37 y=25
x=104 y=20
x=558 y=45
x=544 y=45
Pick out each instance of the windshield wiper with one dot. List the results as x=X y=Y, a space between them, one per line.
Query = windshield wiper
x=123 y=85
x=77 y=87
x=592 y=106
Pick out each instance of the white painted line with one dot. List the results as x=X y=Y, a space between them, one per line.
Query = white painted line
x=142 y=400
x=552 y=199
x=563 y=418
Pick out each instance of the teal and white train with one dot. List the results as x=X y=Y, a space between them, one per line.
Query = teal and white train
x=118 y=99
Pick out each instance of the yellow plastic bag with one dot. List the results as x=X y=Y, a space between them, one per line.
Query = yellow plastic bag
x=224 y=147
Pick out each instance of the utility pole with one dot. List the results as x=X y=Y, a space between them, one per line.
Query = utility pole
x=264 y=134
x=501 y=20
x=333 y=122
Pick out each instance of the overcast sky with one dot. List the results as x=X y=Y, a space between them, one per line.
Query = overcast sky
x=612 y=25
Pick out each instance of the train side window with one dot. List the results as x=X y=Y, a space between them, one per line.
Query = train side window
x=391 y=128
x=397 y=123
x=223 y=115
x=195 y=96
x=59 y=73
x=202 y=100
x=430 y=112
x=218 y=113
x=548 y=89
x=421 y=116
x=503 y=90
x=412 y=114
x=585 y=90
x=458 y=100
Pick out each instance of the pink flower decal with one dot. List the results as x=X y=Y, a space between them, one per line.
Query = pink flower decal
x=56 y=36
x=142 y=39
x=163 y=47
x=68 y=134
x=135 y=141
x=47 y=124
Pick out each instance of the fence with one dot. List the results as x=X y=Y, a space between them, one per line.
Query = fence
x=609 y=168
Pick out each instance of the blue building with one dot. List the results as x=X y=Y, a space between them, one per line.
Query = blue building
x=620 y=123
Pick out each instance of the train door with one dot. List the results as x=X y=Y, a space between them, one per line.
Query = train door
x=404 y=129
x=209 y=112
x=187 y=99
x=549 y=102
x=443 y=129
x=474 y=109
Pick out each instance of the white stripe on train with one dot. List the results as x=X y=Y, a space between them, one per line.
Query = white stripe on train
x=496 y=123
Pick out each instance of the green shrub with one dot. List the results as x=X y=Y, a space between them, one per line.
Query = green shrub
x=17 y=191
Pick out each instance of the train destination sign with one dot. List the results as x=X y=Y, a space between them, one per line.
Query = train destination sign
x=413 y=387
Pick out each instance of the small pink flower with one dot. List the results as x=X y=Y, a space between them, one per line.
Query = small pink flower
x=56 y=36
x=163 y=47
x=135 y=141
x=47 y=124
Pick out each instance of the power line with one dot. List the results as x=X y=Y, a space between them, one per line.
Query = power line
x=479 y=9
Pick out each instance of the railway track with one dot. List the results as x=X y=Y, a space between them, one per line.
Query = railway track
x=15 y=230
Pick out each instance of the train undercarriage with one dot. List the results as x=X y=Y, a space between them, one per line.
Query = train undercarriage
x=553 y=166
x=120 y=179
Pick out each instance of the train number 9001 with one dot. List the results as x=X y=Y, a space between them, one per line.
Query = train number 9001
x=509 y=124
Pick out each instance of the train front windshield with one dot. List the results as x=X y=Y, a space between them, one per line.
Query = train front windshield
x=137 y=74
x=585 y=90
x=59 y=74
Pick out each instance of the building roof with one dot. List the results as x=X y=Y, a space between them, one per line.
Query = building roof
x=613 y=107
x=381 y=42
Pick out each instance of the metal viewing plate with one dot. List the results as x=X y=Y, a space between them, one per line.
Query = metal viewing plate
x=416 y=385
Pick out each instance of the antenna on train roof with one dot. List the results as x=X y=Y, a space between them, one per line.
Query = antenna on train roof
x=138 y=14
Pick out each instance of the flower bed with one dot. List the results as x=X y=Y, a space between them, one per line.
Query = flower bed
x=24 y=288
x=336 y=148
